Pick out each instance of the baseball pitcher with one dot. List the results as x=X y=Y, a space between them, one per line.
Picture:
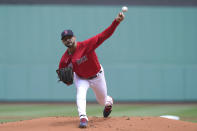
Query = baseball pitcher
x=80 y=64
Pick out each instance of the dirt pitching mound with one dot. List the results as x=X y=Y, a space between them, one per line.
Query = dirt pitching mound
x=100 y=124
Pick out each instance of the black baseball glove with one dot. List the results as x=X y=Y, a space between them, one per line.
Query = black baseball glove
x=65 y=75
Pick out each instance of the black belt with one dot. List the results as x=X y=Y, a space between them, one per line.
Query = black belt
x=92 y=77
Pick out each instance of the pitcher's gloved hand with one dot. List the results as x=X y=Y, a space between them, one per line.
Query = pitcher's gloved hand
x=65 y=75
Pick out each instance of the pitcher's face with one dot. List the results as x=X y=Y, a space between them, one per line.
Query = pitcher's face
x=69 y=41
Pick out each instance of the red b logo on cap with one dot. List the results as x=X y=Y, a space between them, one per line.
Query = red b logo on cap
x=66 y=32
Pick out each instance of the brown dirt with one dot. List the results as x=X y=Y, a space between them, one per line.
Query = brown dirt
x=100 y=124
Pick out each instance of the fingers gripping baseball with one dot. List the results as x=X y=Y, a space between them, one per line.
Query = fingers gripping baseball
x=121 y=15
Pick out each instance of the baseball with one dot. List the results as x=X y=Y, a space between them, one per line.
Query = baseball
x=124 y=9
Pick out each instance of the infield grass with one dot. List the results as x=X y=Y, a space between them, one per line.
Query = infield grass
x=17 y=112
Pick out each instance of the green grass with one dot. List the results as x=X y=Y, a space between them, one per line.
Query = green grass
x=16 y=112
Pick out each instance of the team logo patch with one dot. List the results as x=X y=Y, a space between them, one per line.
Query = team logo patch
x=81 y=60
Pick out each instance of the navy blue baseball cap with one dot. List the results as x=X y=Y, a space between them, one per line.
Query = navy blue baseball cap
x=66 y=33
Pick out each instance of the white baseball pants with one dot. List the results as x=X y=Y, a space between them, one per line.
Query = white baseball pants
x=99 y=87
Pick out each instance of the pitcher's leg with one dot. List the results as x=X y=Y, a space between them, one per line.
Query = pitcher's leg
x=81 y=100
x=100 y=89
x=82 y=87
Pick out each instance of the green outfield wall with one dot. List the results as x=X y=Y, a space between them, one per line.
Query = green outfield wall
x=152 y=56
